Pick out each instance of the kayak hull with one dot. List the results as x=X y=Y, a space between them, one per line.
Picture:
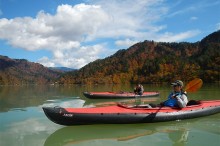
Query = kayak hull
x=126 y=115
x=117 y=95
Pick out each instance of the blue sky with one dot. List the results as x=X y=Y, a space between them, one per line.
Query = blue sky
x=72 y=33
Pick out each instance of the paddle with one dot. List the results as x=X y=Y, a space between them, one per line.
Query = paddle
x=194 y=85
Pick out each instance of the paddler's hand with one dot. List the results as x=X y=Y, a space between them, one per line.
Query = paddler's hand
x=176 y=95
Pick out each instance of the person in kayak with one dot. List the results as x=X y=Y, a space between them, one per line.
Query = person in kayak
x=139 y=89
x=178 y=97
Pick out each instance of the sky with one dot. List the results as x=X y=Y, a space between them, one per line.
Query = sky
x=73 y=33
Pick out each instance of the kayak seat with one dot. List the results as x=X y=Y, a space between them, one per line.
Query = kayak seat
x=192 y=102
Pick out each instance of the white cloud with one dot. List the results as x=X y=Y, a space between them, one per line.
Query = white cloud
x=193 y=18
x=125 y=43
x=68 y=27
x=75 y=58
x=73 y=33
x=61 y=33
x=218 y=26
x=170 y=37
x=46 y=61
x=131 y=19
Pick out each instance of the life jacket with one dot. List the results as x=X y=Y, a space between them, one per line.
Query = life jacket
x=172 y=102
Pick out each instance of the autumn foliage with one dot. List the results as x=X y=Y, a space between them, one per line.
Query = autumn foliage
x=21 y=72
x=154 y=62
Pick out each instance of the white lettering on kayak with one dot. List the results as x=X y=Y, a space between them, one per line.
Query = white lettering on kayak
x=68 y=115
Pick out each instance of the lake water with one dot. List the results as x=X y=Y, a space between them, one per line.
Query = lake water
x=23 y=123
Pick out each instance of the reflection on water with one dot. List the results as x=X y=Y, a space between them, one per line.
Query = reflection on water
x=79 y=134
x=23 y=123
x=26 y=96
x=174 y=133
x=82 y=134
x=179 y=137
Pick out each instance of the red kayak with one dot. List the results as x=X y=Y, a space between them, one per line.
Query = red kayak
x=117 y=95
x=122 y=114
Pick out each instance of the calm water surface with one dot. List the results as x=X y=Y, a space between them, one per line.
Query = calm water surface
x=23 y=123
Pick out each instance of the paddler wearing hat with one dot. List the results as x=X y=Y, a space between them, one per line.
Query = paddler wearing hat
x=178 y=97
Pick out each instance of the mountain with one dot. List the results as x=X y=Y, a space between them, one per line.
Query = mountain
x=154 y=62
x=21 y=71
x=62 y=69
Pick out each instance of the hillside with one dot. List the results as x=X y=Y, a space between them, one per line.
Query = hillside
x=62 y=69
x=153 y=62
x=21 y=71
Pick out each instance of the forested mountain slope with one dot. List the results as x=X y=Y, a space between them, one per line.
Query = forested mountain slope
x=150 y=62
x=21 y=71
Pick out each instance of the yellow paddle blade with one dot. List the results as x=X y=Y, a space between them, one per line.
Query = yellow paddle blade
x=194 y=85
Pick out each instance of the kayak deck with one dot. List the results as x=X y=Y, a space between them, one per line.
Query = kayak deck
x=120 y=109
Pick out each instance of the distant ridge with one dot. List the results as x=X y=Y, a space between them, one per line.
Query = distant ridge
x=21 y=71
x=62 y=69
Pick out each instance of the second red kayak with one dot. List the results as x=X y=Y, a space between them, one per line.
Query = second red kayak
x=117 y=95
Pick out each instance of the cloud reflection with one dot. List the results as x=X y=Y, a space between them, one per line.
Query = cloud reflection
x=31 y=131
x=29 y=126
x=66 y=102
